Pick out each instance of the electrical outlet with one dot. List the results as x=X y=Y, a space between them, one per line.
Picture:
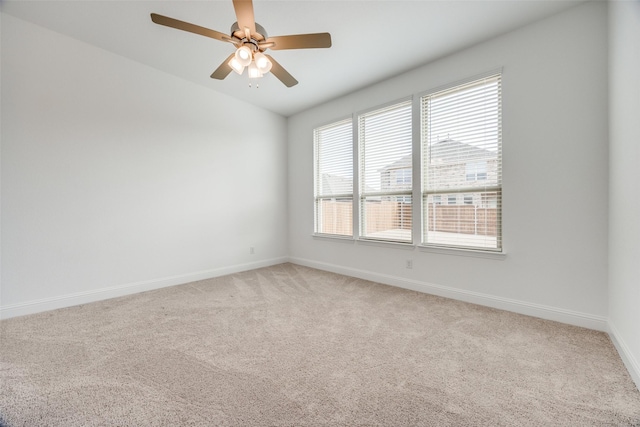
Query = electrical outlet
x=409 y=264
x=252 y=250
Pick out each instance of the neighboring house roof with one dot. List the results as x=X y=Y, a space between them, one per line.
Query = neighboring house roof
x=402 y=163
x=447 y=150
x=335 y=184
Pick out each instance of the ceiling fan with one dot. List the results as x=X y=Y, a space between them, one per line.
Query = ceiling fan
x=251 y=41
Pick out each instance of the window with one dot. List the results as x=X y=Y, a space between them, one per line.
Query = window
x=476 y=171
x=403 y=176
x=459 y=202
x=333 y=149
x=489 y=200
x=385 y=145
x=462 y=153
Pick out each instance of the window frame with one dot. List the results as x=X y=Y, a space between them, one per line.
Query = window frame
x=486 y=194
x=316 y=170
x=481 y=190
x=382 y=193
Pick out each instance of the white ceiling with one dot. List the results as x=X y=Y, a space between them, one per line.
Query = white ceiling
x=372 y=40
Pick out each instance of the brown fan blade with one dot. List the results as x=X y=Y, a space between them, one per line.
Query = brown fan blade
x=244 y=13
x=223 y=70
x=190 y=28
x=282 y=74
x=301 y=41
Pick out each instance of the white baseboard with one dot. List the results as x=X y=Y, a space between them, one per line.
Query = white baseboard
x=632 y=364
x=584 y=320
x=52 y=303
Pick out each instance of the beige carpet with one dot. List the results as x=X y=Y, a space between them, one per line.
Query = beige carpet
x=293 y=346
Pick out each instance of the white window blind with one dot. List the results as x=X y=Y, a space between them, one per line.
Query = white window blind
x=385 y=173
x=333 y=149
x=461 y=133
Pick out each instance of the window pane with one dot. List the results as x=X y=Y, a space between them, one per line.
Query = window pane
x=385 y=149
x=333 y=159
x=385 y=141
x=462 y=164
x=387 y=218
x=461 y=136
x=474 y=224
x=335 y=216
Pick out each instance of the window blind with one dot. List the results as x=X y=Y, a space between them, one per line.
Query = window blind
x=461 y=136
x=333 y=149
x=385 y=173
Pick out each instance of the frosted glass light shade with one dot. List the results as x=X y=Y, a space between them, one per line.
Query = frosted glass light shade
x=262 y=62
x=236 y=65
x=243 y=55
x=254 y=72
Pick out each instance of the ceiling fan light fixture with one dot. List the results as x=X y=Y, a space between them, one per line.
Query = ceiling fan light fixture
x=250 y=40
x=236 y=65
x=262 y=62
x=254 y=71
x=244 y=55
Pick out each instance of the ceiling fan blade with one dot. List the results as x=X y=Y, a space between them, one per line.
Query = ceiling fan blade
x=282 y=74
x=190 y=28
x=244 y=13
x=301 y=41
x=223 y=70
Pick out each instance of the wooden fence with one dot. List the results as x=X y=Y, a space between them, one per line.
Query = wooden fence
x=337 y=218
x=387 y=215
x=464 y=219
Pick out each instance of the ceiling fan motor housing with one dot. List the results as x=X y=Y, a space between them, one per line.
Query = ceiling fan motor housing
x=256 y=37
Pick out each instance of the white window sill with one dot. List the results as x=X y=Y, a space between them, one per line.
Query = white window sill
x=333 y=238
x=366 y=242
x=500 y=256
x=388 y=244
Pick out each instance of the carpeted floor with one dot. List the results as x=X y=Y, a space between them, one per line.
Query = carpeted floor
x=293 y=346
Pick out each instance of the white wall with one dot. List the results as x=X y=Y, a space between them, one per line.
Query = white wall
x=624 y=184
x=555 y=176
x=118 y=178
